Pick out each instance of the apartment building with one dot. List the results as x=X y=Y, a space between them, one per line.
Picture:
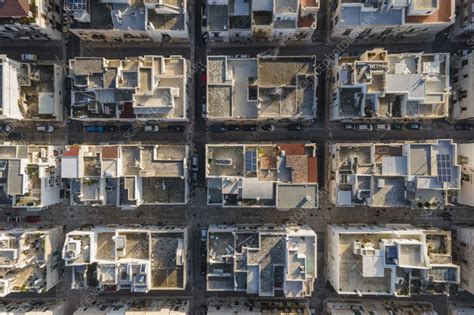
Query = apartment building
x=466 y=161
x=421 y=175
x=29 y=259
x=261 y=20
x=257 y=307
x=30 y=19
x=264 y=260
x=30 y=175
x=282 y=175
x=463 y=84
x=375 y=20
x=460 y=308
x=118 y=20
x=136 y=258
x=464 y=26
x=35 y=307
x=390 y=260
x=463 y=248
x=379 y=85
x=136 y=307
x=31 y=90
x=261 y=88
x=127 y=176
x=144 y=88
x=377 y=307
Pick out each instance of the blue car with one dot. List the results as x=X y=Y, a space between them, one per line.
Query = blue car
x=95 y=128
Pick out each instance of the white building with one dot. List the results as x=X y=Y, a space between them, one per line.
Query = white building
x=127 y=176
x=31 y=90
x=464 y=248
x=136 y=307
x=30 y=19
x=123 y=20
x=257 y=307
x=261 y=20
x=264 y=260
x=466 y=161
x=422 y=175
x=282 y=175
x=379 y=85
x=463 y=86
x=269 y=88
x=377 y=307
x=381 y=19
x=136 y=88
x=30 y=260
x=135 y=258
x=391 y=260
x=30 y=175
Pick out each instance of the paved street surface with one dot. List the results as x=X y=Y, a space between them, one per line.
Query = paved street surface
x=197 y=213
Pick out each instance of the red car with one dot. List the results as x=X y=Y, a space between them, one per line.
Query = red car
x=203 y=78
x=33 y=219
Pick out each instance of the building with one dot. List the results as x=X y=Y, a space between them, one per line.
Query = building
x=379 y=85
x=377 y=307
x=35 y=307
x=464 y=251
x=460 y=308
x=257 y=307
x=419 y=175
x=466 y=161
x=135 y=258
x=118 y=20
x=282 y=175
x=136 y=307
x=127 y=176
x=31 y=90
x=377 y=20
x=264 y=260
x=30 y=19
x=29 y=259
x=261 y=20
x=262 y=88
x=146 y=88
x=389 y=260
x=464 y=26
x=30 y=175
x=463 y=86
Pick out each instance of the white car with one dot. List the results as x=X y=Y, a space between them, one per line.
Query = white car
x=152 y=128
x=29 y=57
x=45 y=128
x=365 y=127
x=383 y=127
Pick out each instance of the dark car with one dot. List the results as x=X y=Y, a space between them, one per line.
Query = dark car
x=296 y=127
x=249 y=127
x=109 y=128
x=125 y=127
x=203 y=268
x=16 y=136
x=33 y=219
x=175 y=128
x=463 y=126
x=348 y=126
x=414 y=126
x=203 y=78
x=397 y=126
x=234 y=128
x=268 y=127
x=218 y=128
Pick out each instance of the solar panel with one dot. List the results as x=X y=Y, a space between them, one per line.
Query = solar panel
x=443 y=163
x=251 y=161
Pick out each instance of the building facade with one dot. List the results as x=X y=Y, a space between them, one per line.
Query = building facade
x=463 y=84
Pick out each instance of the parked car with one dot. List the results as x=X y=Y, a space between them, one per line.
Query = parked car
x=296 y=127
x=203 y=234
x=234 y=128
x=203 y=106
x=249 y=127
x=16 y=136
x=267 y=127
x=463 y=126
x=203 y=249
x=383 y=127
x=348 y=126
x=364 y=127
x=33 y=219
x=414 y=126
x=203 y=268
x=125 y=128
x=152 y=128
x=194 y=178
x=175 y=128
x=45 y=128
x=29 y=57
x=203 y=79
x=218 y=128
x=95 y=128
x=397 y=126
x=5 y=128
x=195 y=163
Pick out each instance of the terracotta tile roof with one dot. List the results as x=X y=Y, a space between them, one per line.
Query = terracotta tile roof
x=292 y=148
x=110 y=152
x=299 y=168
x=74 y=151
x=14 y=8
x=312 y=170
